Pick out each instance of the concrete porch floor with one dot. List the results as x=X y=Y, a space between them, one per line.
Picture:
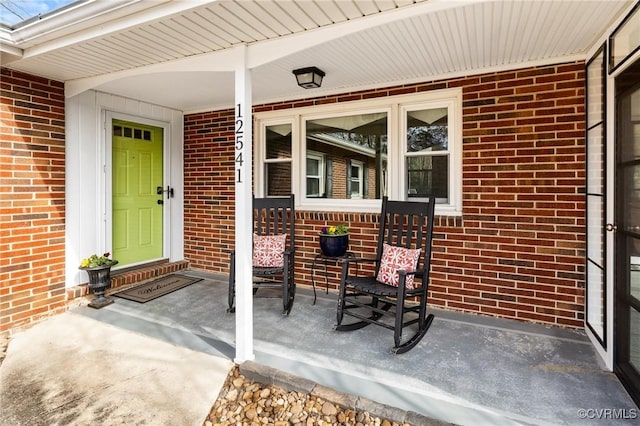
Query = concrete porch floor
x=468 y=370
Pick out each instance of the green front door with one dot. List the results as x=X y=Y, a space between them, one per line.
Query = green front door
x=137 y=175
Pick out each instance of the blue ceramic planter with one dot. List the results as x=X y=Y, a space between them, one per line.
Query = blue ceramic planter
x=334 y=245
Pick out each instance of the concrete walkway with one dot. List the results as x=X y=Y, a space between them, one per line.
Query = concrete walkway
x=75 y=370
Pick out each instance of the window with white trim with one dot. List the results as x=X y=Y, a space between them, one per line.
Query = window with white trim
x=426 y=151
x=347 y=156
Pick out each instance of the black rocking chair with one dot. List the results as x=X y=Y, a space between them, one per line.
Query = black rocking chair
x=405 y=226
x=272 y=217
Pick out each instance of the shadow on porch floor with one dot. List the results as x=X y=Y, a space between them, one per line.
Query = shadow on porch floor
x=467 y=370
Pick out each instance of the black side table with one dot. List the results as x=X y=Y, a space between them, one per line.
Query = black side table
x=325 y=259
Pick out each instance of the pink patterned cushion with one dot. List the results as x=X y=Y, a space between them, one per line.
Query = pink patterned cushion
x=268 y=249
x=394 y=258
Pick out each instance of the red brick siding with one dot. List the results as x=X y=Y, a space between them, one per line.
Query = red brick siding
x=32 y=199
x=209 y=189
x=517 y=252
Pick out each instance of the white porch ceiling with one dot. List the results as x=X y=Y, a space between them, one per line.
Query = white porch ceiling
x=154 y=50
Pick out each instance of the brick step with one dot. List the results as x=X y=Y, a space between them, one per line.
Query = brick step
x=130 y=276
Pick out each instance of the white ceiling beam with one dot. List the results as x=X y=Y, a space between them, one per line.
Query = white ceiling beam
x=221 y=61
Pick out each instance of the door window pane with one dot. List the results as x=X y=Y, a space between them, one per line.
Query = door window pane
x=344 y=141
x=595 y=90
x=595 y=224
x=631 y=199
x=595 y=162
x=630 y=127
x=625 y=39
x=634 y=268
x=595 y=298
x=634 y=338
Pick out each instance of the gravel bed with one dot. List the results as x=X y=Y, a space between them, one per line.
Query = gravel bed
x=245 y=402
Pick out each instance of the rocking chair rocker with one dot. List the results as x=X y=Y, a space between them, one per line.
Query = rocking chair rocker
x=400 y=279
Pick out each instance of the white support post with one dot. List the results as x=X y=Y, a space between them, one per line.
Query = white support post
x=244 y=212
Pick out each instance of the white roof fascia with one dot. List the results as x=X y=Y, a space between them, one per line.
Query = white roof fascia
x=102 y=22
x=7 y=45
x=41 y=29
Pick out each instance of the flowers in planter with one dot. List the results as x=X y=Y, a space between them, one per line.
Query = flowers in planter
x=95 y=261
x=334 y=230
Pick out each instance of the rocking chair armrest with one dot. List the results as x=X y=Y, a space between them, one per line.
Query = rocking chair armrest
x=418 y=273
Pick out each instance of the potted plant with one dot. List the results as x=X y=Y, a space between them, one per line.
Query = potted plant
x=99 y=270
x=334 y=240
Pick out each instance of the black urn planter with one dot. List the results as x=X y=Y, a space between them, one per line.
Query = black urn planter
x=334 y=245
x=99 y=282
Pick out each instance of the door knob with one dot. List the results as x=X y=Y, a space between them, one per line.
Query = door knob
x=611 y=227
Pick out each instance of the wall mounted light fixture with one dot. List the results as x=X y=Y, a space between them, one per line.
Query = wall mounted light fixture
x=309 y=78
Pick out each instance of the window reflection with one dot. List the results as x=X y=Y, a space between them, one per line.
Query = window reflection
x=427 y=161
x=346 y=156
x=277 y=163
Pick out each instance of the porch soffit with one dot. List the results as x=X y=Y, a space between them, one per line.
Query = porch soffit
x=187 y=48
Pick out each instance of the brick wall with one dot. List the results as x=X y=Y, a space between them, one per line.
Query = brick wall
x=517 y=251
x=32 y=199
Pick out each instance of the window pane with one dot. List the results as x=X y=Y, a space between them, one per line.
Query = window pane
x=315 y=173
x=427 y=130
x=595 y=299
x=630 y=199
x=625 y=39
x=313 y=167
x=634 y=338
x=428 y=175
x=630 y=110
x=595 y=91
x=278 y=178
x=595 y=160
x=313 y=187
x=343 y=140
x=278 y=141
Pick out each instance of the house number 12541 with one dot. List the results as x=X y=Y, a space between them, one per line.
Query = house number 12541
x=239 y=143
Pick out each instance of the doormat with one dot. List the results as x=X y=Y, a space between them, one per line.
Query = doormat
x=156 y=288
